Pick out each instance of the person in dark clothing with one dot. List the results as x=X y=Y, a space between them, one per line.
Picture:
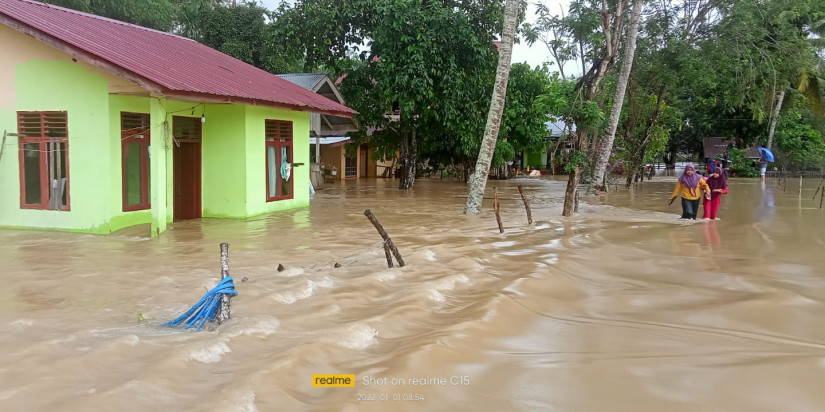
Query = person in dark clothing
x=718 y=186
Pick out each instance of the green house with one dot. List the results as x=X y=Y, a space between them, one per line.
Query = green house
x=109 y=125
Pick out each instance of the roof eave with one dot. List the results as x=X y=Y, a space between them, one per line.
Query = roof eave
x=145 y=83
x=79 y=53
x=212 y=98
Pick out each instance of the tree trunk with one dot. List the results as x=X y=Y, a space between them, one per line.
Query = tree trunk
x=618 y=99
x=570 y=193
x=488 y=144
x=409 y=158
x=774 y=117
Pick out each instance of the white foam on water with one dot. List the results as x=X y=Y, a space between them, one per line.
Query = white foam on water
x=326 y=282
x=303 y=292
x=63 y=339
x=291 y=272
x=261 y=326
x=131 y=340
x=385 y=276
x=430 y=255
x=22 y=322
x=357 y=337
x=210 y=353
x=449 y=282
x=436 y=296
x=244 y=402
x=290 y=297
x=9 y=393
x=489 y=315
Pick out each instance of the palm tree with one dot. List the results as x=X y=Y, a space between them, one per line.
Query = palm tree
x=485 y=155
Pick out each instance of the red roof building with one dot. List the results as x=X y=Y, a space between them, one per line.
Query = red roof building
x=162 y=63
x=108 y=125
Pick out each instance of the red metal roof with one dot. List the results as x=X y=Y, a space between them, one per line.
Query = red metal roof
x=161 y=62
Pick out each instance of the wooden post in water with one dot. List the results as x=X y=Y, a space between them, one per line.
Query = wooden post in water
x=526 y=205
x=821 y=197
x=495 y=209
x=223 y=315
x=388 y=254
x=800 y=186
x=387 y=241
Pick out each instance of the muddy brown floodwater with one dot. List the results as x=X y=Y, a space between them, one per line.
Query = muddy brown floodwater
x=620 y=308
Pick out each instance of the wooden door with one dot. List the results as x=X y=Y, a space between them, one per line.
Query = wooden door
x=187 y=185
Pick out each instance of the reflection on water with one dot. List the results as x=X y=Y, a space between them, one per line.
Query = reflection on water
x=621 y=308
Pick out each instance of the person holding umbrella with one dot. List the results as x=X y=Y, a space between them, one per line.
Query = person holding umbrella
x=690 y=186
x=767 y=156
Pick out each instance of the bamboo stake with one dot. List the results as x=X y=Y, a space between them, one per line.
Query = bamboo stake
x=224 y=314
x=526 y=206
x=495 y=208
x=385 y=236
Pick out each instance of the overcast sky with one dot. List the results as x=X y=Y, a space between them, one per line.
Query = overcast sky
x=535 y=55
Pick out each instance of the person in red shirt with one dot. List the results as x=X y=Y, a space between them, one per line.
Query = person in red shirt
x=718 y=186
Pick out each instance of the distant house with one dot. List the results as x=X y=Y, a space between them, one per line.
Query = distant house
x=715 y=146
x=541 y=159
x=114 y=125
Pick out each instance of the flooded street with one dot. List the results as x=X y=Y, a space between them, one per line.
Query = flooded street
x=620 y=308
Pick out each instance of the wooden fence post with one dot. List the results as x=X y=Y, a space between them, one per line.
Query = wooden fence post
x=495 y=209
x=526 y=205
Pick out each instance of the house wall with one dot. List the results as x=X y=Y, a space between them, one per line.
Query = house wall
x=118 y=104
x=37 y=77
x=537 y=160
x=225 y=162
x=333 y=156
x=256 y=117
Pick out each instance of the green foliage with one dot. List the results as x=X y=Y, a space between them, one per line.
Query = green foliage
x=436 y=67
x=523 y=123
x=155 y=14
x=235 y=30
x=800 y=144
x=578 y=158
x=740 y=166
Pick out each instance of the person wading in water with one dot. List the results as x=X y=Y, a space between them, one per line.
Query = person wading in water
x=718 y=186
x=690 y=186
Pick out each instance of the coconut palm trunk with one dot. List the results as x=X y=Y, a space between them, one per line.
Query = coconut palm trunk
x=774 y=117
x=618 y=99
x=478 y=181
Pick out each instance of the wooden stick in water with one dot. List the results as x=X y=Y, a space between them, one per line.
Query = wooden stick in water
x=495 y=209
x=388 y=254
x=526 y=205
x=385 y=236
